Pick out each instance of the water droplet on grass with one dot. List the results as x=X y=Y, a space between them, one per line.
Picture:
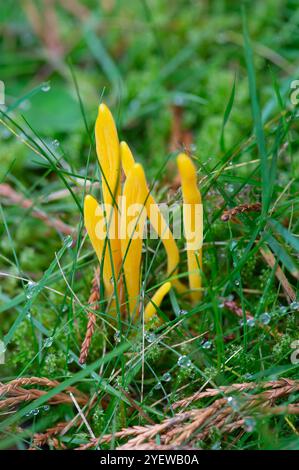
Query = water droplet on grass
x=233 y=403
x=70 y=359
x=207 y=345
x=184 y=361
x=30 y=289
x=46 y=87
x=295 y=305
x=233 y=244
x=166 y=377
x=182 y=312
x=251 y=322
x=265 y=318
x=48 y=342
x=150 y=337
x=249 y=424
x=68 y=241
x=117 y=337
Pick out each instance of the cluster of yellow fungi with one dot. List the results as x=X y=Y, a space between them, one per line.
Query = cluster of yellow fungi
x=123 y=254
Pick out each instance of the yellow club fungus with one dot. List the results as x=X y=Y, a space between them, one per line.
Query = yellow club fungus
x=157 y=220
x=133 y=218
x=107 y=147
x=193 y=223
x=156 y=301
x=120 y=221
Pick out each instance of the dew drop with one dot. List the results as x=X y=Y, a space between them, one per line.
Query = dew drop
x=68 y=241
x=283 y=309
x=30 y=289
x=237 y=283
x=249 y=424
x=216 y=446
x=233 y=245
x=158 y=386
x=251 y=322
x=117 y=337
x=233 y=403
x=46 y=408
x=178 y=100
x=35 y=412
x=182 y=312
x=184 y=361
x=265 y=318
x=150 y=337
x=5 y=134
x=48 y=342
x=55 y=143
x=207 y=345
x=70 y=359
x=295 y=305
x=25 y=105
x=46 y=87
x=166 y=377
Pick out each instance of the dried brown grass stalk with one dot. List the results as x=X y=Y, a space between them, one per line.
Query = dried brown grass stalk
x=14 y=393
x=12 y=196
x=196 y=424
x=236 y=309
x=41 y=439
x=231 y=213
x=280 y=275
x=93 y=302
x=242 y=387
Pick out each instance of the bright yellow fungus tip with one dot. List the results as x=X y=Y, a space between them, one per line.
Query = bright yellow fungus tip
x=193 y=223
x=156 y=301
x=127 y=158
x=107 y=147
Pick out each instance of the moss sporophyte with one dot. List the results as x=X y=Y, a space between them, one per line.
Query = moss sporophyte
x=117 y=226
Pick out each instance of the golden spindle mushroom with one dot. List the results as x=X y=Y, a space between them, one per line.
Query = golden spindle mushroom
x=193 y=223
x=94 y=222
x=157 y=220
x=156 y=300
x=107 y=147
x=133 y=216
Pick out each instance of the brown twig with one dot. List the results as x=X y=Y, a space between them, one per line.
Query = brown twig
x=7 y=192
x=93 y=306
x=236 y=309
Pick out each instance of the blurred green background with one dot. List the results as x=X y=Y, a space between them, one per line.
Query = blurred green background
x=146 y=59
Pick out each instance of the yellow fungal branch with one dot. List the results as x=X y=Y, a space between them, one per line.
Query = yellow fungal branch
x=193 y=223
x=133 y=216
x=128 y=213
x=107 y=147
x=156 y=301
x=94 y=220
x=157 y=220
